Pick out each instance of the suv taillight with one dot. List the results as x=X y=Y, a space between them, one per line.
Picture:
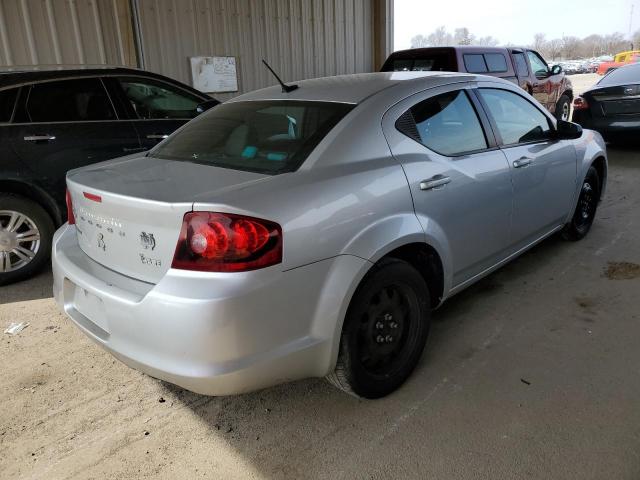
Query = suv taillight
x=224 y=242
x=70 y=216
x=580 y=103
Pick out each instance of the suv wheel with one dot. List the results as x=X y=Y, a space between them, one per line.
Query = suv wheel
x=384 y=332
x=25 y=238
x=563 y=108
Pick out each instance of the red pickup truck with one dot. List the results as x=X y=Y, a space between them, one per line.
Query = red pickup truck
x=522 y=66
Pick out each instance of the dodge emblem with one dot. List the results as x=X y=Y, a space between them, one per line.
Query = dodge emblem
x=147 y=241
x=101 y=243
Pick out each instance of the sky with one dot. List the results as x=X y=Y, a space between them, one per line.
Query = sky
x=513 y=21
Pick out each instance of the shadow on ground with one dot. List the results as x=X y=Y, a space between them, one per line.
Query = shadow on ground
x=33 y=288
x=309 y=428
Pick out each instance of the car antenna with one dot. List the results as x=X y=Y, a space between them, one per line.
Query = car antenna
x=285 y=88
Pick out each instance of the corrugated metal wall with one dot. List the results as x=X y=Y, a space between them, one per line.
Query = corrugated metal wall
x=45 y=32
x=299 y=38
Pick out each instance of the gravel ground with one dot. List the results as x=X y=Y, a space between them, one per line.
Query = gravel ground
x=531 y=373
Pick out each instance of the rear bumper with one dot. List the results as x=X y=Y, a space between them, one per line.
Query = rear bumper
x=212 y=333
x=622 y=124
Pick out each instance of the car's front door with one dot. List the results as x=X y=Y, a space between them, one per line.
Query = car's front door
x=157 y=108
x=65 y=124
x=541 y=88
x=460 y=183
x=544 y=168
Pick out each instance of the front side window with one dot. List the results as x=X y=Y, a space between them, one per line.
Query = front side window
x=77 y=100
x=269 y=137
x=155 y=100
x=7 y=104
x=518 y=121
x=446 y=124
x=538 y=66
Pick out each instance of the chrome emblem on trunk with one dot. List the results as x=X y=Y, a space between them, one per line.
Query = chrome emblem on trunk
x=101 y=243
x=147 y=241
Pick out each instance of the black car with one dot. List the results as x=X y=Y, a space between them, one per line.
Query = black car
x=612 y=106
x=54 y=120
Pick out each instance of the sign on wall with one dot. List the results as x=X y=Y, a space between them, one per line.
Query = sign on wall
x=214 y=74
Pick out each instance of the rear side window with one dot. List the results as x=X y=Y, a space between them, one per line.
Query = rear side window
x=521 y=64
x=475 y=63
x=69 y=101
x=518 y=121
x=7 y=104
x=496 y=62
x=483 y=63
x=257 y=136
x=447 y=124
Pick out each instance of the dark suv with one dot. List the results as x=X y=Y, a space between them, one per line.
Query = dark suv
x=522 y=66
x=54 y=120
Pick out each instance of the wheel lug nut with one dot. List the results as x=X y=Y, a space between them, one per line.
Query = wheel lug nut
x=380 y=339
x=379 y=325
x=388 y=316
x=388 y=339
x=393 y=325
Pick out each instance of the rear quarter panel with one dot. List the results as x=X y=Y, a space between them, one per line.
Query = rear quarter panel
x=589 y=147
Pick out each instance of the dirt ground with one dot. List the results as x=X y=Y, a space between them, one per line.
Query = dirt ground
x=531 y=373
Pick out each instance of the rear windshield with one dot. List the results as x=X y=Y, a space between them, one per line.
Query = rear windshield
x=438 y=62
x=261 y=136
x=622 y=75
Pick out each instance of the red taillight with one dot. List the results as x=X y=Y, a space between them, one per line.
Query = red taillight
x=580 y=103
x=70 y=216
x=92 y=196
x=224 y=242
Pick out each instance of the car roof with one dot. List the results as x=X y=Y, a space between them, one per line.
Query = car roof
x=463 y=48
x=355 y=88
x=19 y=75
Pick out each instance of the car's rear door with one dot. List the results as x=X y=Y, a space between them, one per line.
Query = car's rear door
x=64 y=124
x=543 y=168
x=459 y=180
x=157 y=108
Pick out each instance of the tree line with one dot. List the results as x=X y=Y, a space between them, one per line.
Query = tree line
x=567 y=47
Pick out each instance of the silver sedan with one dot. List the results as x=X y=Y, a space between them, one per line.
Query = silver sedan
x=312 y=232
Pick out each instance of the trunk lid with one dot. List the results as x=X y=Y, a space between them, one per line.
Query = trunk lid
x=129 y=211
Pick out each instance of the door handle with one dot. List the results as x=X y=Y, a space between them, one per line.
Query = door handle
x=39 y=138
x=522 y=162
x=157 y=136
x=434 y=182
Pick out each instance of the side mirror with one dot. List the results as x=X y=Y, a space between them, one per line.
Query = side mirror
x=556 y=69
x=540 y=74
x=206 y=105
x=568 y=130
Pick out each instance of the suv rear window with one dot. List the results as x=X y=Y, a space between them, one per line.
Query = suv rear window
x=485 y=62
x=7 y=104
x=257 y=136
x=437 y=62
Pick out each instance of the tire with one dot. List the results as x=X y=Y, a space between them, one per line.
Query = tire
x=26 y=230
x=563 y=108
x=384 y=332
x=586 y=207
